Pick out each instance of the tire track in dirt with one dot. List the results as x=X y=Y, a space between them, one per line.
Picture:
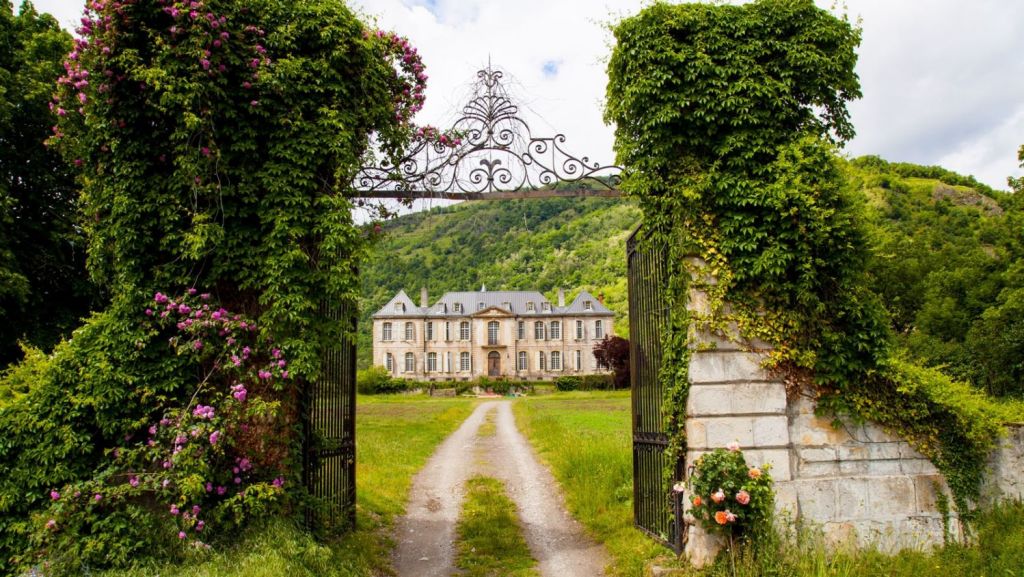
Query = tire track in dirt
x=425 y=535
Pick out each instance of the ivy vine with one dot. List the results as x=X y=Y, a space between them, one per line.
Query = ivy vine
x=727 y=121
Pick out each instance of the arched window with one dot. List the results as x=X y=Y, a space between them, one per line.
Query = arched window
x=538 y=331
x=386 y=332
x=463 y=361
x=431 y=362
x=464 y=331
x=389 y=362
x=541 y=362
x=492 y=332
x=410 y=363
x=556 y=330
x=598 y=330
x=410 y=333
x=522 y=361
x=556 y=361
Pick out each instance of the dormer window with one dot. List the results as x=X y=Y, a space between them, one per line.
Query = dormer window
x=588 y=305
x=399 y=307
x=507 y=306
x=529 y=307
x=480 y=306
x=442 y=308
x=546 y=307
x=458 y=307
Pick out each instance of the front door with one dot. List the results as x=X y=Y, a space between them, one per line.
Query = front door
x=493 y=364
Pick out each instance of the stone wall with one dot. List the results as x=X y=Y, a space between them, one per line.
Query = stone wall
x=1005 y=478
x=857 y=484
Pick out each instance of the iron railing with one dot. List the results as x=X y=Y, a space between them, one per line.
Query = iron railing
x=656 y=508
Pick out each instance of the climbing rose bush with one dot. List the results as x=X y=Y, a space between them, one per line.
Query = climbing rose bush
x=728 y=496
x=204 y=468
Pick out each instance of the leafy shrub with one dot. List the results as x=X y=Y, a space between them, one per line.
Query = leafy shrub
x=568 y=383
x=198 y=460
x=597 y=382
x=377 y=380
x=728 y=496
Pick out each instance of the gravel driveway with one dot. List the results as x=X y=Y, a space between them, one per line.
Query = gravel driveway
x=425 y=536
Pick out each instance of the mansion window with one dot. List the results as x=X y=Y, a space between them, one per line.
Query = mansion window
x=556 y=361
x=480 y=306
x=546 y=307
x=588 y=306
x=448 y=362
x=458 y=307
x=556 y=330
x=541 y=364
x=386 y=332
x=430 y=331
x=538 y=331
x=464 y=331
x=507 y=306
x=410 y=334
x=598 y=330
x=579 y=330
x=492 y=333
x=400 y=307
x=529 y=307
x=522 y=360
x=579 y=360
x=410 y=363
x=432 y=362
x=389 y=362
x=447 y=331
x=521 y=330
x=463 y=361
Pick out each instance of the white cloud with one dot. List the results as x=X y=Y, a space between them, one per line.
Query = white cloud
x=942 y=79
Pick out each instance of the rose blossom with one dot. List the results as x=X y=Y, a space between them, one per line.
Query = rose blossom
x=743 y=497
x=718 y=496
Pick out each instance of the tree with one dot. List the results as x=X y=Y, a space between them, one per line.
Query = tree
x=613 y=352
x=44 y=289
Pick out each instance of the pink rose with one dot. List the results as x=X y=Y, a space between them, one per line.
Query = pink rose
x=718 y=496
x=743 y=497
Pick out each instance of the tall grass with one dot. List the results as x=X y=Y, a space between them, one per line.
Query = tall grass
x=395 y=436
x=585 y=439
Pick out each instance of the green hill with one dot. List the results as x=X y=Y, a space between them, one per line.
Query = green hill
x=948 y=259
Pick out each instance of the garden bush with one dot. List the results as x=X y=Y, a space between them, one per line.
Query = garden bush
x=377 y=380
x=568 y=383
x=597 y=382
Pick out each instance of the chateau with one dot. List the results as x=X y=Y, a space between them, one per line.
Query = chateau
x=513 y=334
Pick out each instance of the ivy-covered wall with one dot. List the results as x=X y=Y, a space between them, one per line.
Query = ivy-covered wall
x=728 y=120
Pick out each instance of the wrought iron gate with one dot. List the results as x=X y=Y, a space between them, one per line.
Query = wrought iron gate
x=656 y=510
x=329 y=408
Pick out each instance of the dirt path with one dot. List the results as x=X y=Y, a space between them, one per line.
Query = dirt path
x=425 y=535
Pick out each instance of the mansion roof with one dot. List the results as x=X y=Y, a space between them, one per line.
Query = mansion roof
x=517 y=303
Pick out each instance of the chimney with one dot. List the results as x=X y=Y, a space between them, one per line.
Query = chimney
x=600 y=298
x=424 y=300
x=561 y=298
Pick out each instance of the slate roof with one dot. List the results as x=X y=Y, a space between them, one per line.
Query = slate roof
x=515 y=302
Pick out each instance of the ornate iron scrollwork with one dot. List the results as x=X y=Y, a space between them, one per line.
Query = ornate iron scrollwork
x=497 y=157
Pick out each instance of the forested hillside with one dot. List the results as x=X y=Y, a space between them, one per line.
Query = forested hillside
x=948 y=259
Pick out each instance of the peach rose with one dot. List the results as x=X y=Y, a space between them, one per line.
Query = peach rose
x=721 y=518
x=697 y=501
x=743 y=497
x=718 y=496
x=754 y=473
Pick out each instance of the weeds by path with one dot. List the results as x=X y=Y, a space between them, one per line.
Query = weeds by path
x=491 y=543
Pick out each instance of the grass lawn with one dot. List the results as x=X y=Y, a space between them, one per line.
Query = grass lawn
x=585 y=438
x=395 y=436
x=491 y=543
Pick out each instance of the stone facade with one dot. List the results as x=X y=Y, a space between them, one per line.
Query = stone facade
x=499 y=334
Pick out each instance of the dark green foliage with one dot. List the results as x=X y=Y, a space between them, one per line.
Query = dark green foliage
x=44 y=290
x=377 y=381
x=568 y=383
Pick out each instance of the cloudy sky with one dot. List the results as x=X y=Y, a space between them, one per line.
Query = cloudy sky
x=943 y=80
